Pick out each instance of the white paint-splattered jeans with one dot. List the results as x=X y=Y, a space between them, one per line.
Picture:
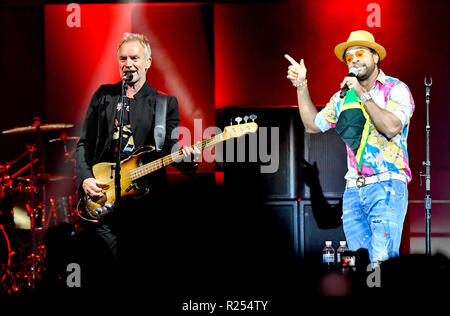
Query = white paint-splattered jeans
x=373 y=217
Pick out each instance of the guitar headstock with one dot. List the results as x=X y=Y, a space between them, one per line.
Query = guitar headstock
x=240 y=129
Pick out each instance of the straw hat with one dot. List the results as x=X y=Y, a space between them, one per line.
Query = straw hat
x=360 y=38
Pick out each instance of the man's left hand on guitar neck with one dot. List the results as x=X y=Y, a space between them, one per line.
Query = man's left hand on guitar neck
x=193 y=152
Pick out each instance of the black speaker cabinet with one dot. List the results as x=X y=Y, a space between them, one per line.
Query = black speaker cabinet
x=267 y=161
x=311 y=236
x=328 y=150
x=271 y=159
x=285 y=217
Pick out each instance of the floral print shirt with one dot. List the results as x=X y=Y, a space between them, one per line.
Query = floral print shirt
x=379 y=154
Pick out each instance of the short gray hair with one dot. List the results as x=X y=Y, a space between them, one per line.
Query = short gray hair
x=128 y=37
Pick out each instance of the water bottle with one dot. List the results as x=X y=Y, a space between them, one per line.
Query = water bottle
x=342 y=248
x=328 y=255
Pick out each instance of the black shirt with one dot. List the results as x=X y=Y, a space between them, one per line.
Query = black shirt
x=127 y=144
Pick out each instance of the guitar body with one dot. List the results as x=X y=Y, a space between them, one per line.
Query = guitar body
x=105 y=172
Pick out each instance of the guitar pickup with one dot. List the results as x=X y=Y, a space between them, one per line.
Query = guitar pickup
x=130 y=187
x=105 y=209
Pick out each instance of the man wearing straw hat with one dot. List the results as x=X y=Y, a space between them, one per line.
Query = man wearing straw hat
x=373 y=120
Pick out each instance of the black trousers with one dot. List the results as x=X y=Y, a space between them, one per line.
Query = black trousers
x=132 y=243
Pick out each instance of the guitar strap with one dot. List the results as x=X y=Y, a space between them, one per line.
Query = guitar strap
x=160 y=121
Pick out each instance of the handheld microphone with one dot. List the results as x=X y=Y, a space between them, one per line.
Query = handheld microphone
x=353 y=72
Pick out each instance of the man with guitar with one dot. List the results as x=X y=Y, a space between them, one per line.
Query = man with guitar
x=134 y=58
x=99 y=139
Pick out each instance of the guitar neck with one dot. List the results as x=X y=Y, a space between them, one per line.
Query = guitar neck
x=169 y=159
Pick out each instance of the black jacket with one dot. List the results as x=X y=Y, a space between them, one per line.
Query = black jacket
x=96 y=134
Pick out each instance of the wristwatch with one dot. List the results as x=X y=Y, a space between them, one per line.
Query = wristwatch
x=366 y=96
x=301 y=84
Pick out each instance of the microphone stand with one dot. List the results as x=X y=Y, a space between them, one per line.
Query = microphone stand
x=117 y=173
x=427 y=175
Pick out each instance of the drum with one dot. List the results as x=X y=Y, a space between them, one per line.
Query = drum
x=6 y=204
x=14 y=248
x=5 y=254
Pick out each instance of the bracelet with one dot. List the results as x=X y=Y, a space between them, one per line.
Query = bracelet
x=301 y=84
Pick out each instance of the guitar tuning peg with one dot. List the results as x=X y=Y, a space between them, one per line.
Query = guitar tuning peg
x=238 y=119
x=246 y=118
x=253 y=117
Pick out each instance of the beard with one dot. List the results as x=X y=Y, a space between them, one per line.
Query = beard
x=369 y=71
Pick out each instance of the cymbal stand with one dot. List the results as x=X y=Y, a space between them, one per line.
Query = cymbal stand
x=33 y=216
x=28 y=165
x=34 y=208
x=22 y=155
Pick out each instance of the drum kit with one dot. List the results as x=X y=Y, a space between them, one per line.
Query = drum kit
x=27 y=211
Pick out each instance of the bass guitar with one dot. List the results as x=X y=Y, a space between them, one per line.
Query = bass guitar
x=132 y=169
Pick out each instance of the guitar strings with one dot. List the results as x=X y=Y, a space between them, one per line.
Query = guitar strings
x=167 y=160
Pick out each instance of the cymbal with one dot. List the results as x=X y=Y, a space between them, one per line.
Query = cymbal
x=63 y=139
x=46 y=177
x=34 y=128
